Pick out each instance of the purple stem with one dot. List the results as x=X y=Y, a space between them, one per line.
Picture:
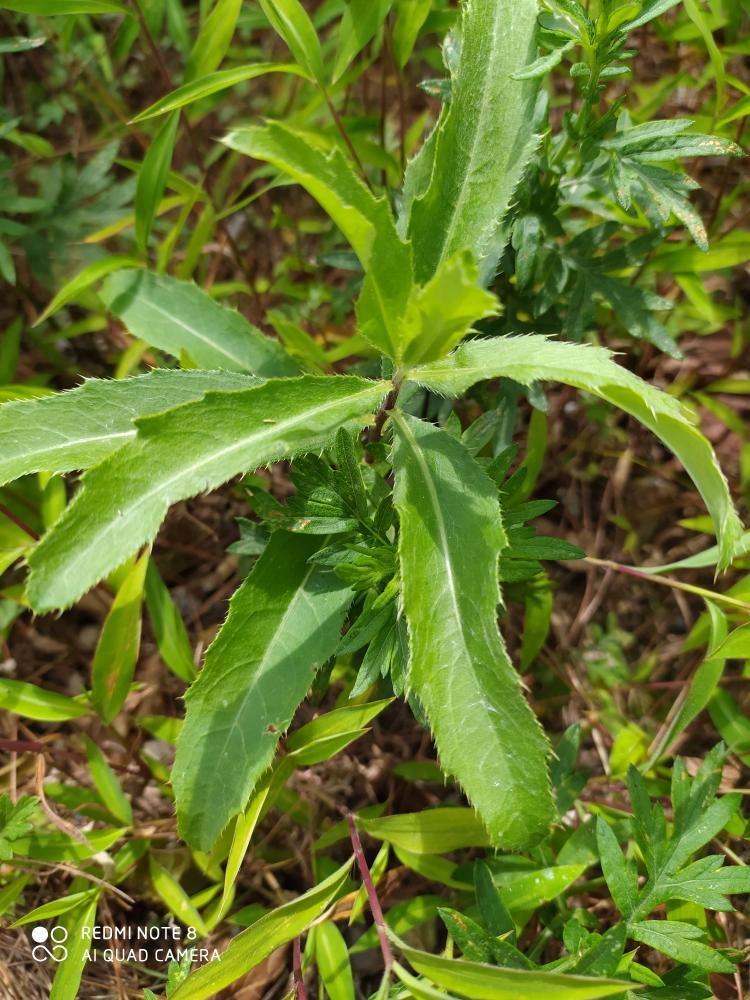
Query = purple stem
x=299 y=983
x=372 y=896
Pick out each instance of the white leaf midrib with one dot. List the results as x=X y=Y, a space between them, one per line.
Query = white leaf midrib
x=164 y=487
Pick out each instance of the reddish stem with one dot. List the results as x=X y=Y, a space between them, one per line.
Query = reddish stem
x=21 y=746
x=372 y=896
x=7 y=512
x=299 y=983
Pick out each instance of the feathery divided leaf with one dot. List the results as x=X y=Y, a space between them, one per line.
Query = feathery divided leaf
x=698 y=816
x=483 y=142
x=14 y=822
x=662 y=192
x=450 y=539
x=78 y=428
x=175 y=455
x=680 y=941
x=534 y=358
x=180 y=318
x=283 y=623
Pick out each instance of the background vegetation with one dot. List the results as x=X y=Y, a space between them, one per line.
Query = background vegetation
x=635 y=657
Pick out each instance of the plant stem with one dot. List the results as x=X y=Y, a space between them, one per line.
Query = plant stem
x=299 y=983
x=372 y=896
x=381 y=416
x=345 y=136
x=7 y=512
x=667 y=581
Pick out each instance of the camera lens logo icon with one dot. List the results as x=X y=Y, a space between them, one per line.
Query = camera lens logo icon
x=49 y=944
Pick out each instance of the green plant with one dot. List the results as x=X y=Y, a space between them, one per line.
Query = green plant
x=438 y=565
x=408 y=529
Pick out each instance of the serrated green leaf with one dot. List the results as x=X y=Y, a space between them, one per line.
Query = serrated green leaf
x=284 y=622
x=483 y=142
x=704 y=882
x=534 y=358
x=249 y=948
x=175 y=455
x=365 y=221
x=622 y=878
x=178 y=317
x=682 y=942
x=213 y=83
x=441 y=313
x=656 y=141
x=78 y=428
x=449 y=543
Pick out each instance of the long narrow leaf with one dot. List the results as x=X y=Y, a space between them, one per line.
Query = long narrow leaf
x=483 y=142
x=152 y=178
x=178 y=454
x=213 y=83
x=284 y=622
x=214 y=39
x=76 y=429
x=364 y=220
x=534 y=358
x=252 y=946
x=180 y=318
x=450 y=539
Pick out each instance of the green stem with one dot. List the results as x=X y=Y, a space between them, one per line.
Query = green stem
x=666 y=581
